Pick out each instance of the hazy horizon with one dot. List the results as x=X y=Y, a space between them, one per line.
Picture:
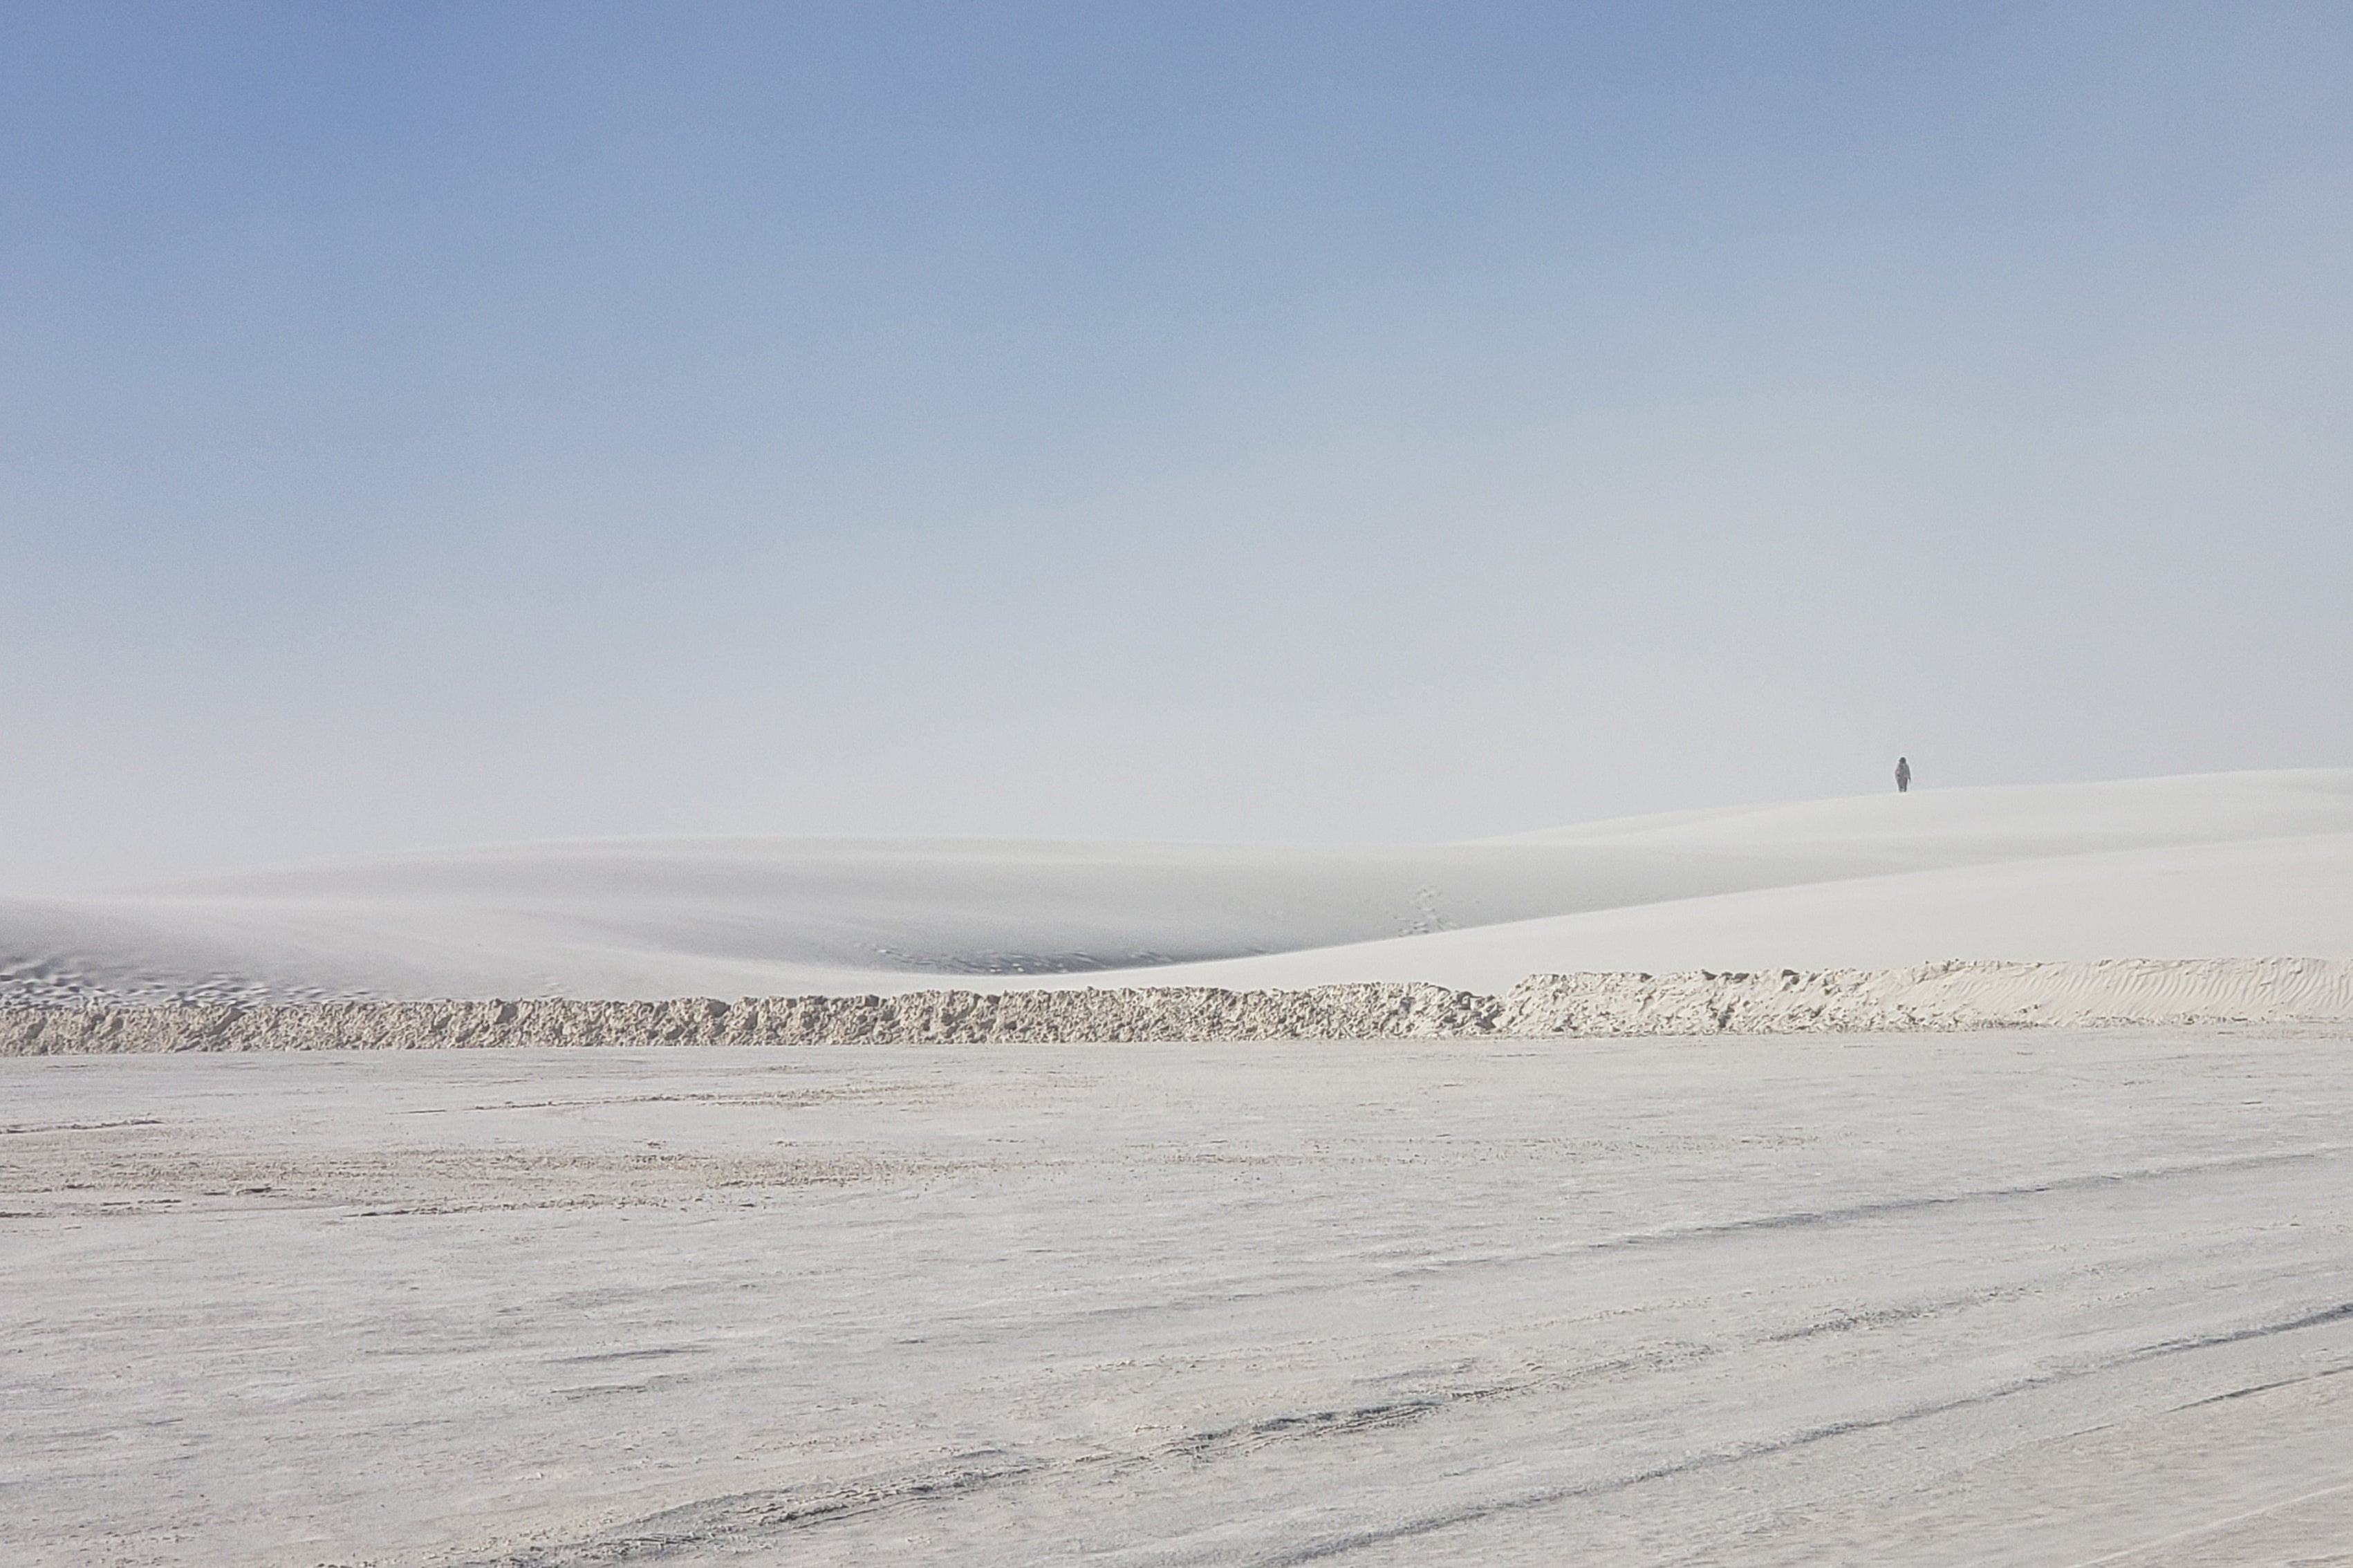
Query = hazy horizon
x=452 y=424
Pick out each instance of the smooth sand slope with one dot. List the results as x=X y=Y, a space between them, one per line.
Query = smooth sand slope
x=2046 y=1300
x=2220 y=865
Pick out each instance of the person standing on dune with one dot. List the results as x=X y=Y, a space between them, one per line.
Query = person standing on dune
x=1902 y=776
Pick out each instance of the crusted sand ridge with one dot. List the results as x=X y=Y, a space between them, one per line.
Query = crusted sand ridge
x=1957 y=996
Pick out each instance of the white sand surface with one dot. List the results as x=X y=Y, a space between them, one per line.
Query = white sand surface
x=2049 y=1298
x=2221 y=866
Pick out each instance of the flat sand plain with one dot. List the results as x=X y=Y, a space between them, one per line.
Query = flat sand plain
x=2040 y=1297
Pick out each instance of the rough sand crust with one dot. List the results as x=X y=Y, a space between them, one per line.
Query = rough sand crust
x=2034 y=1296
x=1953 y=996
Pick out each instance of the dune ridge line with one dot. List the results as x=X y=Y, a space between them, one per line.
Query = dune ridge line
x=1938 y=996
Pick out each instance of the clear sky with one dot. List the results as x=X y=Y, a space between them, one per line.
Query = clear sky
x=425 y=424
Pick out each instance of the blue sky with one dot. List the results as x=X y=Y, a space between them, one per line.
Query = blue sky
x=426 y=425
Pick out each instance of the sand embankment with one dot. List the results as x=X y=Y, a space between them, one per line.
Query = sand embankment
x=1957 y=996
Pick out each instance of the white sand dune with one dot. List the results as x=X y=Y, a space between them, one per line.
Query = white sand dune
x=2215 y=865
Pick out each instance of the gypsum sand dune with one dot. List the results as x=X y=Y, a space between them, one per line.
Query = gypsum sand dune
x=1949 y=997
x=2217 y=866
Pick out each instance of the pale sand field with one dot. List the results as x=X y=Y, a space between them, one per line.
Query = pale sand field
x=2053 y=1297
x=2035 y=1298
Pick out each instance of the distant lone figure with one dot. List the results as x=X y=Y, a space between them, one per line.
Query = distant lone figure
x=1902 y=776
